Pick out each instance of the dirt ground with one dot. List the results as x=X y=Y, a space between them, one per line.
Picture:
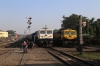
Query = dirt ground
x=35 y=57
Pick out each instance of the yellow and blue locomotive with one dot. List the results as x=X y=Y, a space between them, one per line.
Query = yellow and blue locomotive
x=66 y=37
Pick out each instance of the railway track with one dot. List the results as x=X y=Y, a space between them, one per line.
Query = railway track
x=7 y=55
x=22 y=60
x=3 y=44
x=4 y=52
x=2 y=63
x=68 y=59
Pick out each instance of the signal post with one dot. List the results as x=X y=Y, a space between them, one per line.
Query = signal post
x=29 y=22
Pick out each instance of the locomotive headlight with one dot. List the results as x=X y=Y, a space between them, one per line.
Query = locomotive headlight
x=41 y=36
x=50 y=36
x=74 y=36
x=66 y=36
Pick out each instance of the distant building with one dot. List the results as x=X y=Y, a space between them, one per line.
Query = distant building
x=3 y=34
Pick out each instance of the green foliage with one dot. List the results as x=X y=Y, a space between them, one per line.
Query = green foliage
x=88 y=55
x=11 y=32
x=0 y=30
x=70 y=22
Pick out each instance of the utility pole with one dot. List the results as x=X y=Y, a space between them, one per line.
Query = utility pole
x=24 y=33
x=80 y=47
x=45 y=26
x=80 y=29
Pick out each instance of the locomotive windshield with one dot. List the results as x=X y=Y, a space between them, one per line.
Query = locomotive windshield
x=42 y=32
x=73 y=33
x=67 y=32
x=49 y=32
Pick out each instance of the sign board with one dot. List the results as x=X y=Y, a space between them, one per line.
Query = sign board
x=84 y=23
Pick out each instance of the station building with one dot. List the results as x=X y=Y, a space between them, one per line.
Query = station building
x=3 y=34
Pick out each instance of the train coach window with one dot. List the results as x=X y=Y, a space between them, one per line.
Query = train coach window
x=73 y=33
x=49 y=32
x=42 y=32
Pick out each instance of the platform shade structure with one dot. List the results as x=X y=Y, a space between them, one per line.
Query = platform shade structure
x=83 y=24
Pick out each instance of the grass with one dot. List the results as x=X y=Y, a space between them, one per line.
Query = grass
x=94 y=56
x=88 y=55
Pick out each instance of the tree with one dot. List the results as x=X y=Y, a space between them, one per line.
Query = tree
x=91 y=25
x=70 y=22
x=98 y=27
x=11 y=32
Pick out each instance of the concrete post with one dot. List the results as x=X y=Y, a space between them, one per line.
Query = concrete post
x=80 y=37
x=80 y=29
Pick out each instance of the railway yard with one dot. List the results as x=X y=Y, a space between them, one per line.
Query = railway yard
x=52 y=35
x=12 y=55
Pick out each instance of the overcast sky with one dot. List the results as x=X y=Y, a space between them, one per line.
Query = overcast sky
x=13 y=13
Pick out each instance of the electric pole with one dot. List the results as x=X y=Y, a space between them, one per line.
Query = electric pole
x=80 y=29
x=24 y=33
x=80 y=35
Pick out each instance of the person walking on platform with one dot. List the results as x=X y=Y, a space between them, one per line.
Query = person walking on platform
x=20 y=45
x=32 y=44
x=25 y=45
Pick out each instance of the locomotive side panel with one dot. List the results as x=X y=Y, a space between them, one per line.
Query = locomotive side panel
x=57 y=39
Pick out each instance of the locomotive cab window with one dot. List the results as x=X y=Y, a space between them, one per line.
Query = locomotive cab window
x=49 y=32
x=67 y=32
x=42 y=32
x=73 y=33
